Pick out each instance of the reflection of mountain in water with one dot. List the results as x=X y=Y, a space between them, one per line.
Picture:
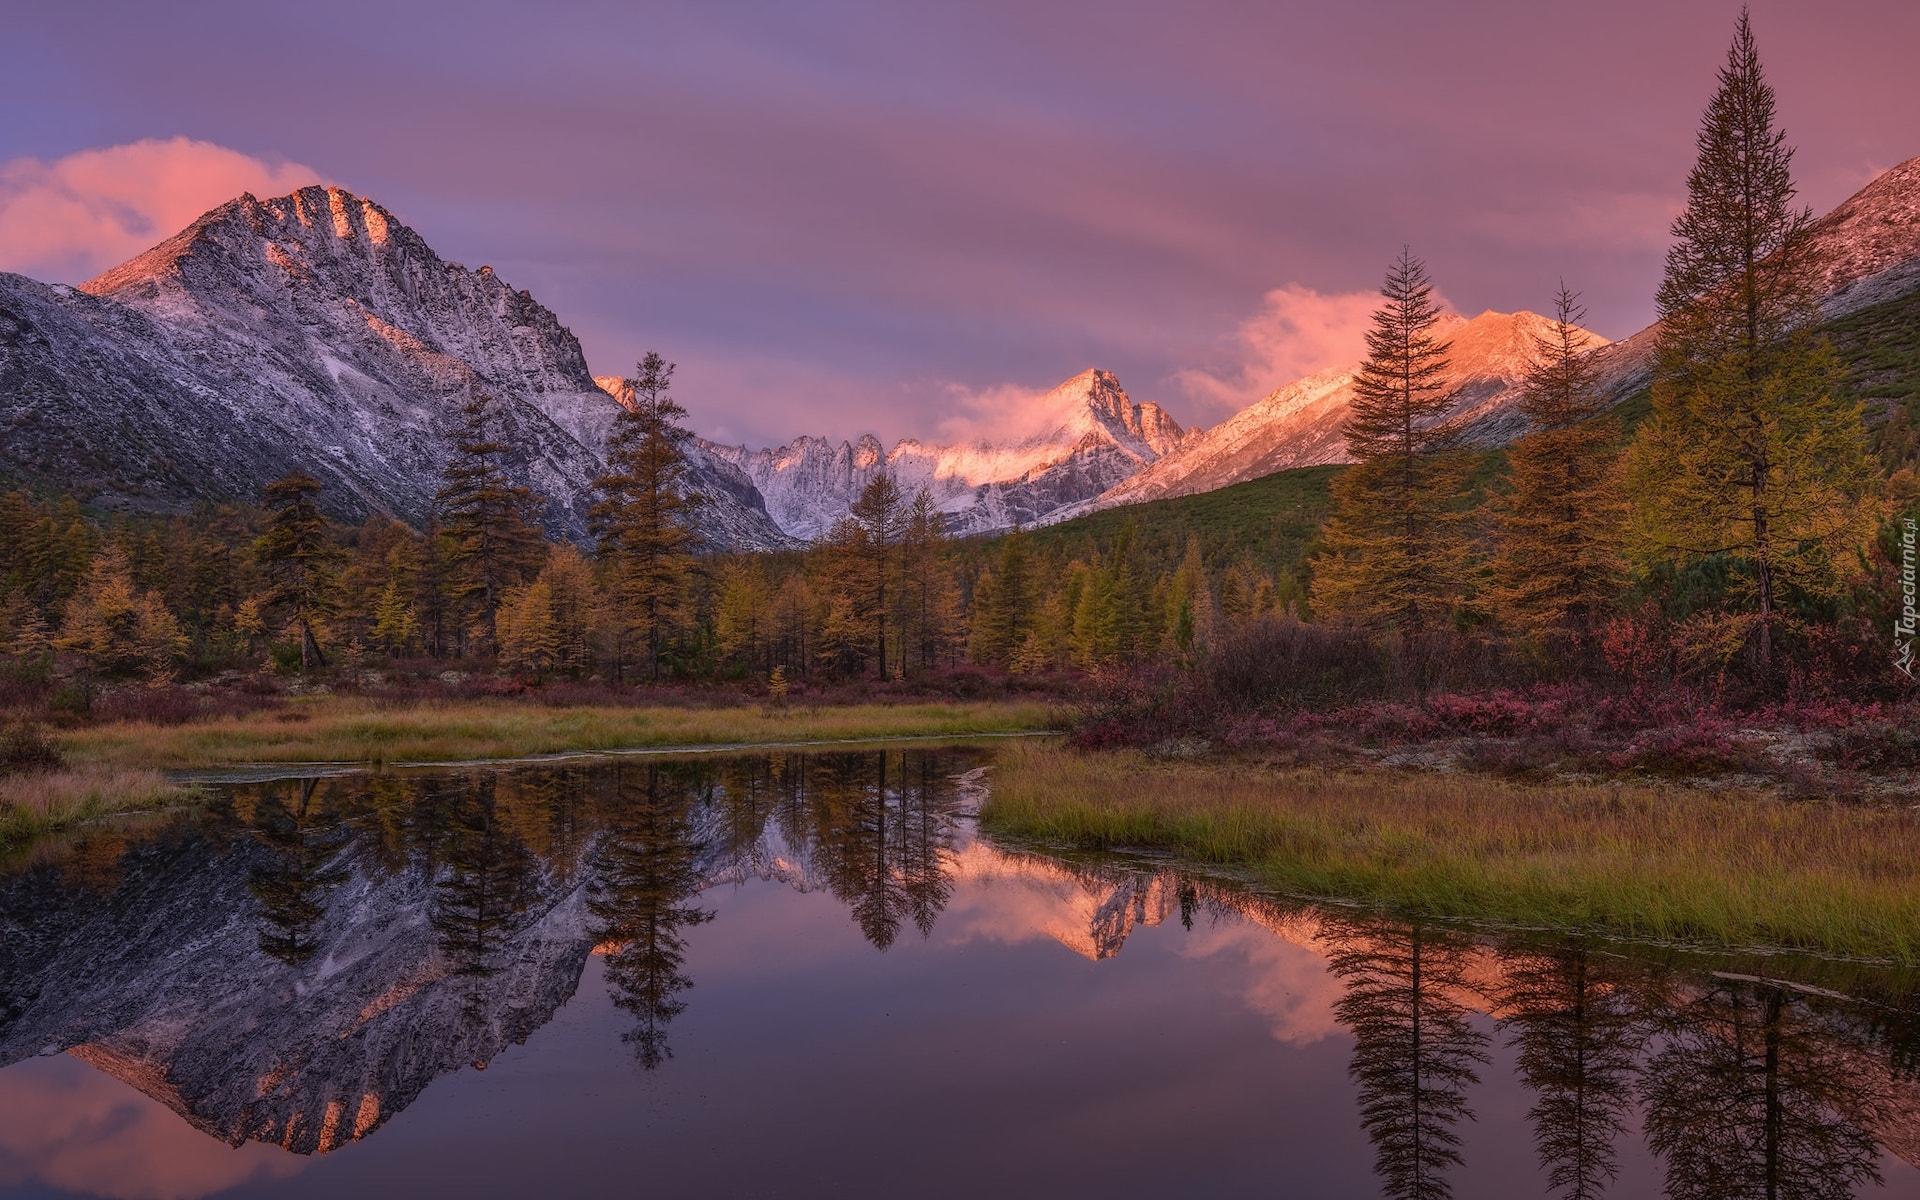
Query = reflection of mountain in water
x=299 y=962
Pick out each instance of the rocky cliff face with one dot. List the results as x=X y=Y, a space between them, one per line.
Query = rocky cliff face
x=1102 y=438
x=311 y=330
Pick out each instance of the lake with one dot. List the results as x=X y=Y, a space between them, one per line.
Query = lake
x=809 y=974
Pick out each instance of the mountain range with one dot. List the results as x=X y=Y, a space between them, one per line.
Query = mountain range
x=316 y=331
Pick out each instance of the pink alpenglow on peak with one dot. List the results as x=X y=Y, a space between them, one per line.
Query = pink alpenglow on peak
x=1093 y=437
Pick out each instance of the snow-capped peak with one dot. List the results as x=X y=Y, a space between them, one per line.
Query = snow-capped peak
x=1093 y=435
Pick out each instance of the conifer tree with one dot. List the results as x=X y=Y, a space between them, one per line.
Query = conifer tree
x=932 y=604
x=1396 y=545
x=870 y=538
x=644 y=519
x=491 y=525
x=300 y=560
x=740 y=618
x=1005 y=602
x=1749 y=453
x=1557 y=565
x=115 y=627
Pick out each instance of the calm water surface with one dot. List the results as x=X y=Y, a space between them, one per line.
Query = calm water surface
x=808 y=975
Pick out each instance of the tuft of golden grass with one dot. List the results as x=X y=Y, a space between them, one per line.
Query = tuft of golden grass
x=343 y=729
x=41 y=802
x=1668 y=863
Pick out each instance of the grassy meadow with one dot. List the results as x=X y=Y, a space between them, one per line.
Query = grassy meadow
x=1668 y=863
x=352 y=730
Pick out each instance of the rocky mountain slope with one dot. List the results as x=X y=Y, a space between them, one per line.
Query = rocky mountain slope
x=1102 y=438
x=311 y=330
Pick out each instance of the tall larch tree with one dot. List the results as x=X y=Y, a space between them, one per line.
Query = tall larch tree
x=870 y=538
x=300 y=560
x=1005 y=601
x=491 y=525
x=1557 y=564
x=1396 y=546
x=644 y=518
x=932 y=604
x=1749 y=454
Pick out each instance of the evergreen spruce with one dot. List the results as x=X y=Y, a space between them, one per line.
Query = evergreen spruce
x=1396 y=546
x=489 y=523
x=644 y=519
x=1749 y=454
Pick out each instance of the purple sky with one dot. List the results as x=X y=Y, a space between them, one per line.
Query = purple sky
x=907 y=218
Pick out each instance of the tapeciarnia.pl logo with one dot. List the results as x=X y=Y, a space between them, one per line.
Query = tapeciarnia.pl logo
x=1904 y=626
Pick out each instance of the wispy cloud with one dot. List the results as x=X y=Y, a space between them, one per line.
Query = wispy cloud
x=1002 y=413
x=1296 y=332
x=69 y=219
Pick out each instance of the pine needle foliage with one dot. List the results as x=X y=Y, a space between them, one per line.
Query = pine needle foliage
x=300 y=559
x=1750 y=453
x=644 y=518
x=1557 y=566
x=491 y=525
x=1396 y=547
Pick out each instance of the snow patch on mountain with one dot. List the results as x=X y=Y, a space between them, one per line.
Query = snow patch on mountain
x=1103 y=438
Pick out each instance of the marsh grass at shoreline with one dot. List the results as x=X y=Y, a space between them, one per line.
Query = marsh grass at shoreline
x=347 y=730
x=38 y=803
x=1720 y=868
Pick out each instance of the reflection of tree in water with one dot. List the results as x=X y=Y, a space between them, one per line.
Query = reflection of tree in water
x=926 y=835
x=882 y=826
x=302 y=838
x=1577 y=1037
x=1744 y=1101
x=645 y=869
x=1413 y=1049
x=484 y=876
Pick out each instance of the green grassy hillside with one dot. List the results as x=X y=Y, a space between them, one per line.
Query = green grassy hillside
x=1269 y=523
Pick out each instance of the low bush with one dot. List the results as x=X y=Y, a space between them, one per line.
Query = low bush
x=28 y=746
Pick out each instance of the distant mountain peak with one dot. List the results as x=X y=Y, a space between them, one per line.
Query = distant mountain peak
x=1093 y=436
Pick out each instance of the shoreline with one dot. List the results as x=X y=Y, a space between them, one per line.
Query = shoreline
x=1713 y=869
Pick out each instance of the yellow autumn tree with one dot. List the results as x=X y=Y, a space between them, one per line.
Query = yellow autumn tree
x=1557 y=563
x=1751 y=455
x=117 y=629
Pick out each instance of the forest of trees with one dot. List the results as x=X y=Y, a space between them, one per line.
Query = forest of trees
x=1741 y=534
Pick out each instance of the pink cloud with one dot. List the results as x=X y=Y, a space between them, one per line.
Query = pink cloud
x=68 y=1126
x=1004 y=413
x=69 y=219
x=1296 y=332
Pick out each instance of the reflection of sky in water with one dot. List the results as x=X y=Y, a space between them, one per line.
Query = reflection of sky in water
x=1057 y=1034
x=68 y=1126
